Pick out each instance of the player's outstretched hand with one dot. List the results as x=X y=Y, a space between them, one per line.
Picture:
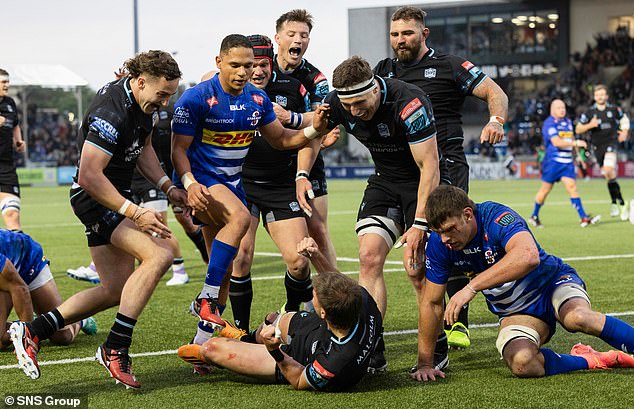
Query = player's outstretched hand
x=426 y=374
x=492 y=132
x=320 y=118
x=330 y=138
x=307 y=247
x=455 y=304
x=20 y=146
x=149 y=221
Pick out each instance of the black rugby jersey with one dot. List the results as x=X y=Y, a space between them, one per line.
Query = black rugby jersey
x=341 y=363
x=9 y=111
x=263 y=163
x=311 y=78
x=607 y=131
x=446 y=79
x=116 y=124
x=162 y=144
x=316 y=84
x=404 y=117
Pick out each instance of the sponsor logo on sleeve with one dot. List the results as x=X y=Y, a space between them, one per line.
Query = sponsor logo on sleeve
x=319 y=78
x=467 y=65
x=105 y=130
x=410 y=108
x=302 y=90
x=258 y=99
x=181 y=115
x=505 y=219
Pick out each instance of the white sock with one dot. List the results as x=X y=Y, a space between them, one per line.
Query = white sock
x=178 y=266
x=209 y=291
x=203 y=333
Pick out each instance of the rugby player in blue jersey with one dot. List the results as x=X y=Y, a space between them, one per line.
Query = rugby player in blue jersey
x=213 y=126
x=26 y=284
x=558 y=164
x=527 y=288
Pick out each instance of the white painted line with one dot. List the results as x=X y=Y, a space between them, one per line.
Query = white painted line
x=173 y=351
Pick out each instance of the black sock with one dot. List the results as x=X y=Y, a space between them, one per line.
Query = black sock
x=297 y=291
x=615 y=192
x=47 y=324
x=457 y=281
x=241 y=296
x=120 y=335
x=199 y=241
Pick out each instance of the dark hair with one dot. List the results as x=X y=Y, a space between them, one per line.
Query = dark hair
x=340 y=296
x=352 y=71
x=410 y=13
x=155 y=63
x=445 y=202
x=4 y=72
x=234 y=41
x=297 y=15
x=262 y=46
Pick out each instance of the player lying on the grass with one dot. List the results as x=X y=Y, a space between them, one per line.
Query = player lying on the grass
x=326 y=350
x=26 y=284
x=529 y=289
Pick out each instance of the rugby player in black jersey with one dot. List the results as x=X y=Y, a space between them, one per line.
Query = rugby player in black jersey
x=292 y=37
x=268 y=177
x=447 y=80
x=115 y=138
x=608 y=126
x=394 y=120
x=10 y=138
x=325 y=350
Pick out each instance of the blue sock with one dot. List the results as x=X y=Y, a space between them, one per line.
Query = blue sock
x=219 y=260
x=576 y=203
x=536 y=209
x=619 y=334
x=555 y=363
x=221 y=308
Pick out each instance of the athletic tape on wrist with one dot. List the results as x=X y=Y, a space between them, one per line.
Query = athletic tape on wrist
x=277 y=355
x=161 y=182
x=310 y=132
x=169 y=189
x=187 y=181
x=124 y=207
x=421 y=223
x=301 y=174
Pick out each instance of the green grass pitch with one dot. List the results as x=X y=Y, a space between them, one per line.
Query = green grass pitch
x=477 y=378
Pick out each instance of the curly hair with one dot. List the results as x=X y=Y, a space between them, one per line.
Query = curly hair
x=155 y=63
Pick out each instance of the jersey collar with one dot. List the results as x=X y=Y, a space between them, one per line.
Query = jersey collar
x=383 y=87
x=128 y=90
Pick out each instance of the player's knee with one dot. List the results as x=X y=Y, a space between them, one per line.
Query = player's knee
x=577 y=319
x=298 y=266
x=213 y=349
x=162 y=257
x=370 y=259
x=240 y=220
x=523 y=362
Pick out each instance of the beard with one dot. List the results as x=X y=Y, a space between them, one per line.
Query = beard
x=408 y=54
